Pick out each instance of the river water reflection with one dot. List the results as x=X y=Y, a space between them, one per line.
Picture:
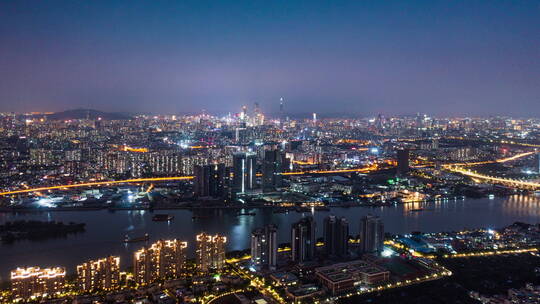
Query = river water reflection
x=105 y=230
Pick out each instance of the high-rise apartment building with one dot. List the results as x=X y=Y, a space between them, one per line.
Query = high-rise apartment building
x=371 y=235
x=210 y=252
x=164 y=259
x=102 y=274
x=264 y=247
x=36 y=282
x=303 y=240
x=42 y=157
x=336 y=236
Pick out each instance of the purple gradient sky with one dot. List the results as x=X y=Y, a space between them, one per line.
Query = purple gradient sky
x=361 y=57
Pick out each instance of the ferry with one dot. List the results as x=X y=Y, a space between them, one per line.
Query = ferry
x=144 y=238
x=162 y=217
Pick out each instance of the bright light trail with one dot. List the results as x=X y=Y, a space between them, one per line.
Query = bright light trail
x=456 y=168
x=497 y=180
x=502 y=160
x=172 y=178
x=104 y=183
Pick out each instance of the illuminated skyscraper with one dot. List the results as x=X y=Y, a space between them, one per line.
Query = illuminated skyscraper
x=34 y=281
x=336 y=236
x=272 y=167
x=379 y=122
x=244 y=172
x=210 y=252
x=371 y=235
x=102 y=274
x=243 y=114
x=258 y=118
x=303 y=240
x=210 y=180
x=164 y=259
x=257 y=110
x=264 y=247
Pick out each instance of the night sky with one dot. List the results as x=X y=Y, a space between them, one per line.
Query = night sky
x=355 y=57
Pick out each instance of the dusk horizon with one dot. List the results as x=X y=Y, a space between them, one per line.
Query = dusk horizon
x=272 y=115
x=438 y=57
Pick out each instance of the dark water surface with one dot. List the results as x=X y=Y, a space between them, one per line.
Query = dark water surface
x=105 y=230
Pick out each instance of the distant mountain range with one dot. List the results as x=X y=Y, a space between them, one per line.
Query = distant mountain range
x=87 y=113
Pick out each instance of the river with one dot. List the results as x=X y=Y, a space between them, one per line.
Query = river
x=105 y=230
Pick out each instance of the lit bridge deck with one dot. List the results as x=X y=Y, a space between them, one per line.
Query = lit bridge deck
x=514 y=183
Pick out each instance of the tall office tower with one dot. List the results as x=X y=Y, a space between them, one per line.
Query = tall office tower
x=102 y=274
x=371 y=235
x=303 y=240
x=36 y=282
x=243 y=114
x=210 y=180
x=379 y=123
x=420 y=120
x=258 y=118
x=336 y=236
x=257 y=110
x=402 y=161
x=210 y=252
x=244 y=171
x=164 y=259
x=264 y=247
x=272 y=167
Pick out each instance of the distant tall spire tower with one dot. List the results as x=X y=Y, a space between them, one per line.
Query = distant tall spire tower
x=243 y=114
x=281 y=110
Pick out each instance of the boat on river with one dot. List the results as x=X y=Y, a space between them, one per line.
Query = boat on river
x=139 y=239
x=246 y=213
x=162 y=217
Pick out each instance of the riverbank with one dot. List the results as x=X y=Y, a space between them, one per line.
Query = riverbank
x=189 y=206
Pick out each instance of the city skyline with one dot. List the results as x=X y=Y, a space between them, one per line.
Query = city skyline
x=269 y=152
x=443 y=58
x=321 y=208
